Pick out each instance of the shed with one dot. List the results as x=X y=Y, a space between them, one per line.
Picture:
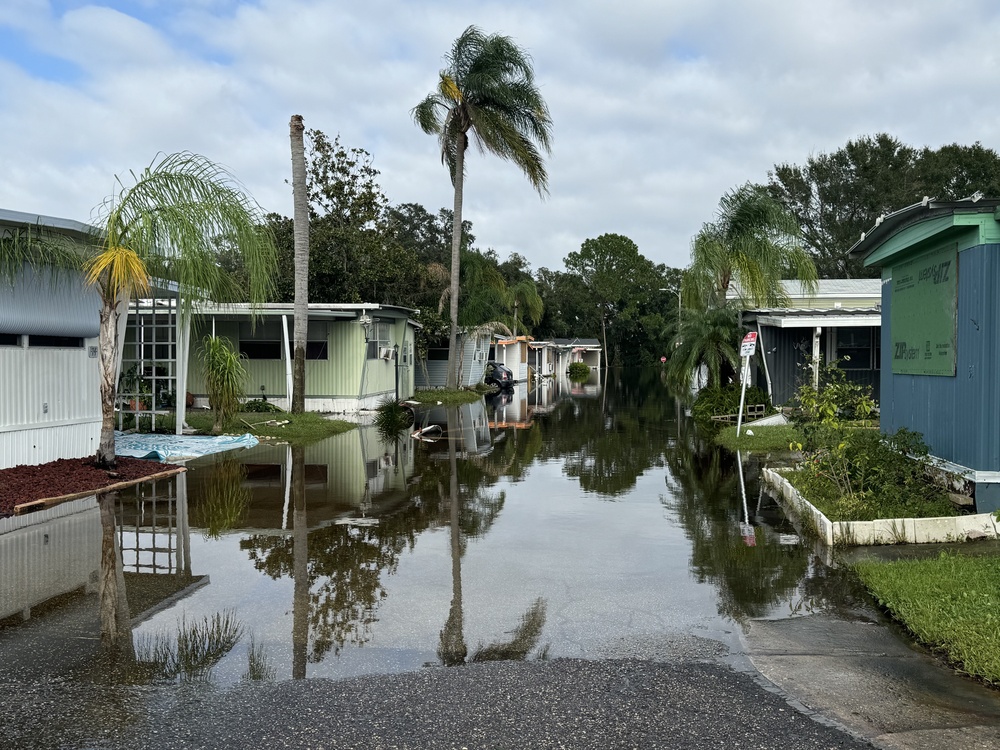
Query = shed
x=940 y=347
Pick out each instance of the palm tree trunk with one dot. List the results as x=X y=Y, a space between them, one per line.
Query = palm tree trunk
x=456 y=247
x=300 y=200
x=108 y=345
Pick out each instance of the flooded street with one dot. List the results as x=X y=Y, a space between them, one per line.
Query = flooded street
x=590 y=523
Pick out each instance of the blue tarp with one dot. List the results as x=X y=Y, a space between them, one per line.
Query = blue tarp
x=173 y=447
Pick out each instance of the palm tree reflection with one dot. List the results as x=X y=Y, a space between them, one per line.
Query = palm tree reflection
x=452 y=649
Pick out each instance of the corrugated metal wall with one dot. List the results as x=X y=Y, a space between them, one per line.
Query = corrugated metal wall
x=49 y=403
x=958 y=416
x=48 y=553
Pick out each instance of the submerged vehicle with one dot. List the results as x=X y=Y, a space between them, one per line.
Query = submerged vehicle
x=499 y=375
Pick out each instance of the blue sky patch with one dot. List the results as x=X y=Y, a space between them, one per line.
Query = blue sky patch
x=36 y=63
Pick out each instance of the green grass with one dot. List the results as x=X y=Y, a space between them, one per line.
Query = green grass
x=301 y=428
x=448 y=398
x=950 y=603
x=764 y=439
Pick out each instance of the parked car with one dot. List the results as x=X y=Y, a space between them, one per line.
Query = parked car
x=499 y=375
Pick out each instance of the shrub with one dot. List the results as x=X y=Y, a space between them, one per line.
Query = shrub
x=579 y=371
x=836 y=400
x=713 y=402
x=861 y=475
x=260 y=406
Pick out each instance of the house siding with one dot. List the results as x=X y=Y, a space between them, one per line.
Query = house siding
x=930 y=404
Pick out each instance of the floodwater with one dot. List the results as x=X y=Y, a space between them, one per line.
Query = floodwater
x=563 y=520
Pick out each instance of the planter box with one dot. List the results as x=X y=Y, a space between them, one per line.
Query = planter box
x=887 y=530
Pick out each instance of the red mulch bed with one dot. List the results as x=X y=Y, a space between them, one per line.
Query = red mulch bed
x=67 y=476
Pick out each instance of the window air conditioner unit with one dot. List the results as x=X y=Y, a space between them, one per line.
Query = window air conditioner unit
x=480 y=356
x=385 y=352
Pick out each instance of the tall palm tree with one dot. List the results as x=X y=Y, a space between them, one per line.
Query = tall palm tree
x=524 y=298
x=169 y=222
x=300 y=202
x=754 y=244
x=488 y=90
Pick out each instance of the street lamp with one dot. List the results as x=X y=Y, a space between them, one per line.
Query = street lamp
x=678 y=293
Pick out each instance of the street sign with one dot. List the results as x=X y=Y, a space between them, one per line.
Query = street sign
x=749 y=345
x=663 y=359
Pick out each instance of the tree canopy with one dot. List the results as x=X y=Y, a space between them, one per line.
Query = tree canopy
x=837 y=196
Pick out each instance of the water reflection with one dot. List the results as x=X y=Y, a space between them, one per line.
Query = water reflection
x=370 y=552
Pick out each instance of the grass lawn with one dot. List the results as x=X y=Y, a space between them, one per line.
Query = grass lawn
x=301 y=428
x=448 y=398
x=951 y=603
x=764 y=438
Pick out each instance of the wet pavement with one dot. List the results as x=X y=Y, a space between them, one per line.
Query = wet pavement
x=566 y=566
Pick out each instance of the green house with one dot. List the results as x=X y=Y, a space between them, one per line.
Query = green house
x=356 y=354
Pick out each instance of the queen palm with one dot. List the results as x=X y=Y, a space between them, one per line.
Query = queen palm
x=167 y=222
x=487 y=90
x=753 y=244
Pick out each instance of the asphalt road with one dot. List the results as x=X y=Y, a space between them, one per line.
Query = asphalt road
x=626 y=703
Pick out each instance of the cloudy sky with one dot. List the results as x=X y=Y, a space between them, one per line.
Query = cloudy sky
x=659 y=106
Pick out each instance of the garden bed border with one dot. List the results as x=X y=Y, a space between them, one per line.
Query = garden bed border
x=885 y=530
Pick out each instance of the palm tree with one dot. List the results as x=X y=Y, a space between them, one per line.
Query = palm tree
x=170 y=222
x=706 y=338
x=300 y=200
x=754 y=243
x=524 y=296
x=487 y=89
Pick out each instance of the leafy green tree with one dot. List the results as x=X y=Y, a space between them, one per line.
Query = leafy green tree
x=752 y=244
x=168 y=222
x=837 y=196
x=618 y=280
x=568 y=309
x=488 y=90
x=350 y=257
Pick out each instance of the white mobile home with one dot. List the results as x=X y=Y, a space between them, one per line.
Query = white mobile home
x=49 y=394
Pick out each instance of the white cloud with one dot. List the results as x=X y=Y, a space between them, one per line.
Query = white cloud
x=658 y=107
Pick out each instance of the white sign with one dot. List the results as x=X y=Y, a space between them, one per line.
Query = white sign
x=749 y=345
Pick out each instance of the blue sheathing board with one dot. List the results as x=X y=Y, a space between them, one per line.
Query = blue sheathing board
x=959 y=416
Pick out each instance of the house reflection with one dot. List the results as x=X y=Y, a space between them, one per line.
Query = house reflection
x=356 y=472
x=466 y=424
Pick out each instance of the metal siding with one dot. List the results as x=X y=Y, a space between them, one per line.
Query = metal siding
x=67 y=381
x=45 y=306
x=956 y=415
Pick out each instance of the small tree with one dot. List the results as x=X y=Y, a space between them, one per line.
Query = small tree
x=225 y=379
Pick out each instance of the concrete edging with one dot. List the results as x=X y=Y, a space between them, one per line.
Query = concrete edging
x=886 y=530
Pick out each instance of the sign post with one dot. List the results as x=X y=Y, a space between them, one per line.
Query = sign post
x=747 y=348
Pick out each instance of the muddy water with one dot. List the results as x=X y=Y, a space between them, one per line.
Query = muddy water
x=561 y=520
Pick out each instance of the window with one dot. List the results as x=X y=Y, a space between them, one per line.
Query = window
x=316 y=350
x=854 y=345
x=378 y=338
x=62 y=342
x=439 y=355
x=260 y=349
x=10 y=339
x=262 y=341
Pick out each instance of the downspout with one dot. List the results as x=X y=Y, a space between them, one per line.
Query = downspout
x=288 y=361
x=763 y=356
